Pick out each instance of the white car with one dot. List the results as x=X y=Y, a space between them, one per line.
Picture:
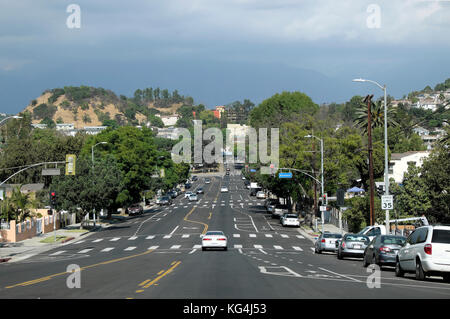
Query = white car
x=261 y=195
x=207 y=181
x=193 y=197
x=187 y=194
x=224 y=189
x=426 y=253
x=214 y=239
x=290 y=220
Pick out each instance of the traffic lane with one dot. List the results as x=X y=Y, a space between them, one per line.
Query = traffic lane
x=102 y=278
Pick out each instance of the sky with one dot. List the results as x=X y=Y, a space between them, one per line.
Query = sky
x=220 y=51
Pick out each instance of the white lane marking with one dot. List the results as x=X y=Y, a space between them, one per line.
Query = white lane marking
x=98 y=240
x=85 y=251
x=153 y=247
x=197 y=246
x=277 y=247
x=297 y=248
x=167 y=236
x=252 y=235
x=58 y=253
x=79 y=242
x=185 y=236
x=132 y=238
x=269 y=236
x=150 y=237
x=174 y=230
x=263 y=252
x=284 y=236
x=130 y=248
x=192 y=251
x=258 y=246
x=300 y=236
x=175 y=247
x=115 y=239
x=236 y=235
x=238 y=246
x=334 y=273
x=107 y=249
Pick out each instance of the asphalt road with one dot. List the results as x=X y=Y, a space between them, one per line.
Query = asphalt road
x=158 y=255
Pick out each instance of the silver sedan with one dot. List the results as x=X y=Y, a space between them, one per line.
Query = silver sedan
x=326 y=242
x=352 y=245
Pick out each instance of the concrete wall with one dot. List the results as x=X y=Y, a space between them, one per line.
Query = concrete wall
x=27 y=229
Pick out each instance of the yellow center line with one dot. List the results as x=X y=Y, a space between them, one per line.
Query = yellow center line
x=162 y=275
x=31 y=282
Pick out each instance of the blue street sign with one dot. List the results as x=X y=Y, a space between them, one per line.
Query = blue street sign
x=253 y=170
x=285 y=175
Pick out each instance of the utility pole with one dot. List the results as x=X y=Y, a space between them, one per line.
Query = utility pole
x=368 y=100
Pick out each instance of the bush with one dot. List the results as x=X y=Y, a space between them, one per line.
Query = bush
x=43 y=111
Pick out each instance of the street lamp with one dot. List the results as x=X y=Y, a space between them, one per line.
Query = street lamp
x=92 y=152
x=10 y=117
x=386 y=163
x=321 y=169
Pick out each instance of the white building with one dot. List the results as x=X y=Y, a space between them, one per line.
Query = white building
x=421 y=131
x=169 y=120
x=398 y=165
x=65 y=126
x=172 y=133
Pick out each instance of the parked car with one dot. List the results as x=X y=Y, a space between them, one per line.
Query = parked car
x=279 y=210
x=193 y=197
x=158 y=200
x=194 y=178
x=326 y=242
x=214 y=239
x=135 y=209
x=171 y=194
x=187 y=185
x=165 y=200
x=187 y=194
x=382 y=250
x=200 y=190
x=270 y=204
x=352 y=245
x=426 y=252
x=207 y=180
x=290 y=220
x=224 y=189
x=260 y=195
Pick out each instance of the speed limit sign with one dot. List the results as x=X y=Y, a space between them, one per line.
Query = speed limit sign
x=387 y=202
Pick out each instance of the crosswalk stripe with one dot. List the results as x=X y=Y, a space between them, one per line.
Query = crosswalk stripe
x=197 y=247
x=150 y=237
x=85 y=251
x=175 y=247
x=167 y=236
x=236 y=235
x=258 y=246
x=185 y=236
x=284 y=236
x=115 y=239
x=58 y=253
x=252 y=235
x=130 y=248
x=153 y=247
x=79 y=242
x=269 y=236
x=98 y=240
x=297 y=248
x=277 y=247
x=132 y=238
x=237 y=246
x=107 y=249
x=300 y=236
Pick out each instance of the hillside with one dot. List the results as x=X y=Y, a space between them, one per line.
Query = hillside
x=89 y=106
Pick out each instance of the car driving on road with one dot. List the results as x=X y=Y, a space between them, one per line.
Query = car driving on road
x=200 y=190
x=426 y=252
x=193 y=197
x=214 y=239
x=279 y=210
x=326 y=242
x=352 y=245
x=290 y=220
x=260 y=195
x=135 y=209
x=382 y=250
x=224 y=189
x=187 y=194
x=165 y=200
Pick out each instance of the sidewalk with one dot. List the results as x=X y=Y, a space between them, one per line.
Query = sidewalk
x=13 y=252
x=312 y=235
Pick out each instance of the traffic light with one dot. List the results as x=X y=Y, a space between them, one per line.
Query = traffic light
x=324 y=200
x=53 y=199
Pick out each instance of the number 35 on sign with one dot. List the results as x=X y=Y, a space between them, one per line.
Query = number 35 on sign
x=387 y=202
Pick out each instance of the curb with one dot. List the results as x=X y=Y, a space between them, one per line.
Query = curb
x=67 y=239
x=3 y=260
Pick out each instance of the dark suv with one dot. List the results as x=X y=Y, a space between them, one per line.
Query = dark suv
x=135 y=209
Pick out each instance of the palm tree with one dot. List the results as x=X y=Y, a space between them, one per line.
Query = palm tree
x=20 y=203
x=377 y=112
x=7 y=211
